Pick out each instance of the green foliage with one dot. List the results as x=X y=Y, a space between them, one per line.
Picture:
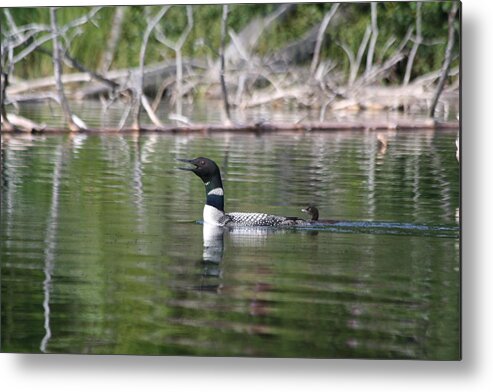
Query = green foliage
x=88 y=42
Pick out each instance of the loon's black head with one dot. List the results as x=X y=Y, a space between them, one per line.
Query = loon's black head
x=311 y=210
x=205 y=168
x=210 y=175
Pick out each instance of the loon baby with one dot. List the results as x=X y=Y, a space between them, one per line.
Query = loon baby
x=209 y=173
x=313 y=212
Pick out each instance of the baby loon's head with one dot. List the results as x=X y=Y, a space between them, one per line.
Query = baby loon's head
x=312 y=211
x=205 y=168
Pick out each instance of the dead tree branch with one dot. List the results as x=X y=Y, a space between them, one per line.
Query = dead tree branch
x=355 y=62
x=6 y=124
x=386 y=47
x=447 y=59
x=418 y=39
x=76 y=64
x=428 y=79
x=116 y=29
x=388 y=64
x=57 y=65
x=13 y=38
x=361 y=51
x=224 y=26
x=250 y=35
x=61 y=31
x=20 y=123
x=139 y=83
x=177 y=48
x=373 y=40
x=73 y=63
x=17 y=36
x=321 y=32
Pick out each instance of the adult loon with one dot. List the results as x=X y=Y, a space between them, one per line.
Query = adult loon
x=313 y=212
x=209 y=173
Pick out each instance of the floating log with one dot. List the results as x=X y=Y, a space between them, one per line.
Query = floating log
x=265 y=127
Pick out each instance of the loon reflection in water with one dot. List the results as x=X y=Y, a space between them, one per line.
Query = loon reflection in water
x=208 y=171
x=213 y=237
x=239 y=236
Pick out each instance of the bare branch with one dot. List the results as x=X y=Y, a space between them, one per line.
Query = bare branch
x=177 y=47
x=164 y=85
x=20 y=123
x=6 y=124
x=10 y=21
x=58 y=73
x=152 y=115
x=239 y=45
x=251 y=33
x=137 y=96
x=16 y=31
x=386 y=47
x=447 y=58
x=116 y=28
x=124 y=117
x=374 y=36
x=361 y=51
x=318 y=45
x=224 y=26
x=354 y=63
x=23 y=35
x=417 y=41
x=349 y=53
x=389 y=63
x=430 y=78
x=61 y=31
x=183 y=37
x=73 y=63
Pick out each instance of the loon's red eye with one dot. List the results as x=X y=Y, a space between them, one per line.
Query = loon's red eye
x=202 y=163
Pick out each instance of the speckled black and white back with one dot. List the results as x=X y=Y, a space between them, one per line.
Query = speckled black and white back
x=258 y=219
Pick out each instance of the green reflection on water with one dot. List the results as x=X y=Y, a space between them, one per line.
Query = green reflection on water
x=100 y=253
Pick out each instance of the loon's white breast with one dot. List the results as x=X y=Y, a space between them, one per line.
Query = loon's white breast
x=213 y=216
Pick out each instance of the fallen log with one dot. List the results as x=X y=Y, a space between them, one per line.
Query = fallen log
x=153 y=75
x=15 y=99
x=266 y=127
x=430 y=78
x=21 y=124
x=43 y=83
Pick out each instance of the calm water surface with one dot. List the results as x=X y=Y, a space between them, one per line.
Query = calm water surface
x=98 y=114
x=101 y=251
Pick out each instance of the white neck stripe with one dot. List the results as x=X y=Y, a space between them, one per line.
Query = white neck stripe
x=216 y=191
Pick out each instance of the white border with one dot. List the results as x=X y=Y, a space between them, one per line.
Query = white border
x=126 y=373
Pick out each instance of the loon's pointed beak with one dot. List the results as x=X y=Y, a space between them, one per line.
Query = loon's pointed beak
x=304 y=210
x=187 y=161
